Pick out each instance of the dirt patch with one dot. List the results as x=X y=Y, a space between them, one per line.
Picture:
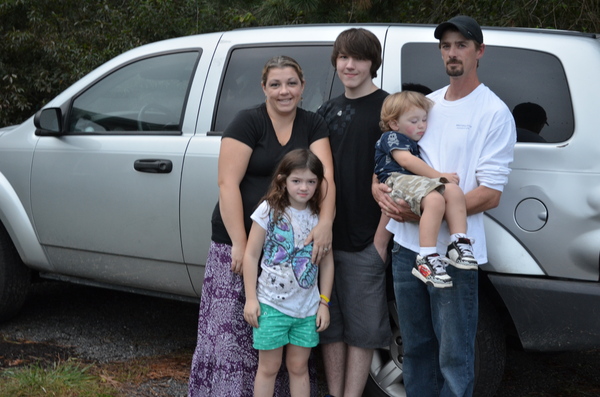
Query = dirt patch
x=163 y=376
x=18 y=353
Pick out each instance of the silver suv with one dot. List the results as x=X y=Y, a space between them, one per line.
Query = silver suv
x=113 y=182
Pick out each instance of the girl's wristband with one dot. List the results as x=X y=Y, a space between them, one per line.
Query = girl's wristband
x=326 y=299
x=324 y=304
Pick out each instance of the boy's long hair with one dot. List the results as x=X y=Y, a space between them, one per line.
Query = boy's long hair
x=358 y=43
x=277 y=195
x=396 y=104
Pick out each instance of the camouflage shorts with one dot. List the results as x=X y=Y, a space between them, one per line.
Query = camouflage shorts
x=412 y=188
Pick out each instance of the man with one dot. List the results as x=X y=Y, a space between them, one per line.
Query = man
x=359 y=319
x=470 y=132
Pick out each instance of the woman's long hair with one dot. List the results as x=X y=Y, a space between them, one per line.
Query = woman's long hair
x=277 y=195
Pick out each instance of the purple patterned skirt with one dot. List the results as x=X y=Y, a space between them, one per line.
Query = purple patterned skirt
x=225 y=363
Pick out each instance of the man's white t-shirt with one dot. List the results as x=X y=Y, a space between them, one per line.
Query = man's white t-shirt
x=474 y=137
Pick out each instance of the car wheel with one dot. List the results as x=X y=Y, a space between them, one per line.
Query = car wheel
x=15 y=278
x=386 y=376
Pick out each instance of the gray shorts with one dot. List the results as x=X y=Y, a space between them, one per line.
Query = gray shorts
x=359 y=310
x=412 y=188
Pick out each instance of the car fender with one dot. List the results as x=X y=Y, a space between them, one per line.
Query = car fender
x=4 y=130
x=18 y=225
x=505 y=253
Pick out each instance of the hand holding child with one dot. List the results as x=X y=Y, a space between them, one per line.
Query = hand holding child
x=451 y=176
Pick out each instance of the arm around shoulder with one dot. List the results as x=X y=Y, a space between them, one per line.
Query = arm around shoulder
x=322 y=233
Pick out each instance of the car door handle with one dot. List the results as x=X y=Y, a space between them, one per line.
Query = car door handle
x=155 y=166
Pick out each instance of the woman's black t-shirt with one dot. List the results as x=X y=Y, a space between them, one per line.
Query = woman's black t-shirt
x=253 y=127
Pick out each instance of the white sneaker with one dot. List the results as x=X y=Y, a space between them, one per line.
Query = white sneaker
x=431 y=269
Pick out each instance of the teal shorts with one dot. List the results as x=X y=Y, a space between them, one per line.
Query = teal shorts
x=276 y=329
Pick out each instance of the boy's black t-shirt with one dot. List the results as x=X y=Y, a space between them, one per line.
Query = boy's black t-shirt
x=353 y=131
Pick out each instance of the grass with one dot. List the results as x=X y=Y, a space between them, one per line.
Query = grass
x=64 y=379
x=71 y=377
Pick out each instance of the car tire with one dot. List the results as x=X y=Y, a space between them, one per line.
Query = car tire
x=15 y=278
x=386 y=376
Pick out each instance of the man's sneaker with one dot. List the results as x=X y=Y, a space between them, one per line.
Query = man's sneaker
x=460 y=254
x=431 y=270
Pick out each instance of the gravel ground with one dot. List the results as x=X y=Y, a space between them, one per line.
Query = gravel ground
x=101 y=326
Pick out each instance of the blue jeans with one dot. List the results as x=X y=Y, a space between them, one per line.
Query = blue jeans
x=438 y=328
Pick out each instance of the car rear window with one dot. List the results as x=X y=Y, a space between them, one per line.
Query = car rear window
x=515 y=75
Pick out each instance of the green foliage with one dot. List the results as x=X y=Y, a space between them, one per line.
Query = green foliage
x=61 y=379
x=46 y=45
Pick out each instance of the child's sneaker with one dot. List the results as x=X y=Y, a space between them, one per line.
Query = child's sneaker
x=460 y=254
x=432 y=271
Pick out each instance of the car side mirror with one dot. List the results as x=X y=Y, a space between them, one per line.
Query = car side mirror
x=48 y=122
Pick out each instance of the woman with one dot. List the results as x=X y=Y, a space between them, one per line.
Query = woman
x=224 y=362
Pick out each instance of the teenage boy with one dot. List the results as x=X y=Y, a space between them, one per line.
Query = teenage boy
x=359 y=319
x=470 y=132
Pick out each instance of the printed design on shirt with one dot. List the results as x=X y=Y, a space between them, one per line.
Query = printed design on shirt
x=279 y=249
x=338 y=121
x=393 y=141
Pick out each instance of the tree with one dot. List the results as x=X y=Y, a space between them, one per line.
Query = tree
x=47 y=45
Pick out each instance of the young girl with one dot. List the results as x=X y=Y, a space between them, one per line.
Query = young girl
x=287 y=307
x=431 y=194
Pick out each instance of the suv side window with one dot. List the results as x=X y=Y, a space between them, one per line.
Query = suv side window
x=515 y=75
x=148 y=95
x=241 y=87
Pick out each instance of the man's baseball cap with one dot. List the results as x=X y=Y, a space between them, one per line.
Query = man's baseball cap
x=467 y=26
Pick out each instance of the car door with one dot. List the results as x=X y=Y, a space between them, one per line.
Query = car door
x=234 y=82
x=105 y=196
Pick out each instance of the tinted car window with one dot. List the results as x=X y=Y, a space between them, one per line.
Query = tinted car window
x=241 y=86
x=148 y=95
x=515 y=75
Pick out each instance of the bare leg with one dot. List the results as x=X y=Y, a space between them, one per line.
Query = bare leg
x=358 y=363
x=346 y=368
x=432 y=212
x=334 y=359
x=382 y=237
x=456 y=209
x=269 y=362
x=297 y=364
